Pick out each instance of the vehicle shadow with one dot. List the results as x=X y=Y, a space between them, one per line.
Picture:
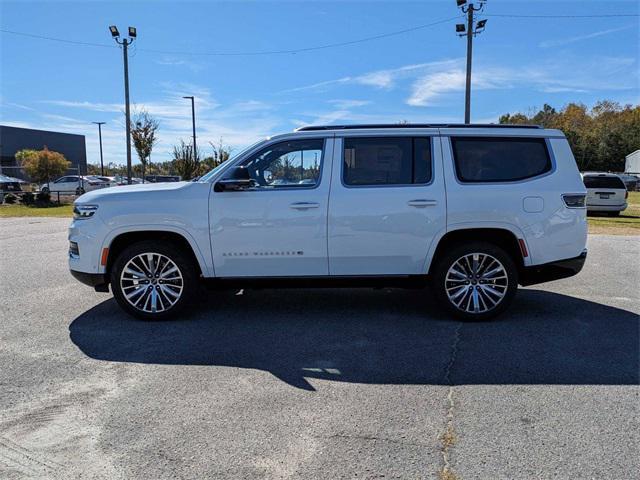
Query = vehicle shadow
x=381 y=337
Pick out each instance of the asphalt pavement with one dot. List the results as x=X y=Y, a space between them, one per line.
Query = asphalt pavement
x=316 y=384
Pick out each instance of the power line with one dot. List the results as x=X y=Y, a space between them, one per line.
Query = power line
x=612 y=15
x=249 y=53
x=62 y=40
x=306 y=49
x=313 y=48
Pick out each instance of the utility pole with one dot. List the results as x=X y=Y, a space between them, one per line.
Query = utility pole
x=127 y=111
x=100 y=138
x=193 y=123
x=469 y=31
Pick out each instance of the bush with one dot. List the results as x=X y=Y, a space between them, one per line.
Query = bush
x=28 y=198
x=43 y=198
x=10 y=198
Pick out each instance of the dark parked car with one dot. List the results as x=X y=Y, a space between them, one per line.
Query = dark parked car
x=10 y=184
x=162 y=178
x=630 y=181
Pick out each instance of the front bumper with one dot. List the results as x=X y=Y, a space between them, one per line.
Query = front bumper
x=553 y=270
x=96 y=280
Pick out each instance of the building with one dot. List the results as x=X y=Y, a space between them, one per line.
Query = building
x=14 y=139
x=632 y=163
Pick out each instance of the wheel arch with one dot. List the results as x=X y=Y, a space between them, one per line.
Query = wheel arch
x=504 y=237
x=120 y=240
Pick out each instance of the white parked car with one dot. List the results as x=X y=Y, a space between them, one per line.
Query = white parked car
x=606 y=192
x=472 y=210
x=72 y=184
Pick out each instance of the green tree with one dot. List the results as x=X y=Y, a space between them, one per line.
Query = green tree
x=600 y=137
x=185 y=163
x=143 y=133
x=42 y=165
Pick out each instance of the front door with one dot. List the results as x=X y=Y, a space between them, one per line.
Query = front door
x=387 y=204
x=278 y=227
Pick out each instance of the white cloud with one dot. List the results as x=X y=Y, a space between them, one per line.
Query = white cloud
x=383 y=79
x=569 y=40
x=348 y=103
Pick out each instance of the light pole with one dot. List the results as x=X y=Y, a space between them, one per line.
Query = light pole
x=193 y=122
x=469 y=31
x=100 y=137
x=127 y=112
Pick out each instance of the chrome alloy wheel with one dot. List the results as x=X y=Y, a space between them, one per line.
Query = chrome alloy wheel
x=476 y=283
x=151 y=282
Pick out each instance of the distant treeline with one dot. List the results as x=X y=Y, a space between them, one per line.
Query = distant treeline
x=600 y=137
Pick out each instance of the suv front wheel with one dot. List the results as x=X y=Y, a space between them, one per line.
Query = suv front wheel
x=153 y=280
x=475 y=281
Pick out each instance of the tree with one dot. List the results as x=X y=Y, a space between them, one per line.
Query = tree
x=221 y=153
x=143 y=133
x=185 y=163
x=600 y=137
x=42 y=165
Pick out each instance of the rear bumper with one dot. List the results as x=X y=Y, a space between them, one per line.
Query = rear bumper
x=553 y=270
x=606 y=208
x=96 y=280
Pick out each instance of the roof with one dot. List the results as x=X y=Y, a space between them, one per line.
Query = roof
x=411 y=125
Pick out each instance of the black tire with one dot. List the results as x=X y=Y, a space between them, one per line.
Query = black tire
x=176 y=254
x=614 y=214
x=440 y=281
x=44 y=190
x=79 y=191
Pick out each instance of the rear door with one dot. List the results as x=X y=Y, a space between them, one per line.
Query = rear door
x=387 y=203
x=604 y=190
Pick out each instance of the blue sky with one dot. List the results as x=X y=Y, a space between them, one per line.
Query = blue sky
x=519 y=64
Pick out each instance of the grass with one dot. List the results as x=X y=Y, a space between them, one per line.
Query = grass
x=17 y=210
x=628 y=223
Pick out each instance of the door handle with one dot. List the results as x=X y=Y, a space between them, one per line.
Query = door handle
x=304 y=205
x=422 y=202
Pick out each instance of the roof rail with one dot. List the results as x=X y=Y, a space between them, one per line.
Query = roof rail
x=411 y=125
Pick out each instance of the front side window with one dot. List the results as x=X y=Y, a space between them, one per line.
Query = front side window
x=295 y=163
x=492 y=159
x=386 y=161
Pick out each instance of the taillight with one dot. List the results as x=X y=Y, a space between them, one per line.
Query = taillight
x=574 y=200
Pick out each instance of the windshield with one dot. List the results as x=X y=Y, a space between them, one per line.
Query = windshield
x=207 y=176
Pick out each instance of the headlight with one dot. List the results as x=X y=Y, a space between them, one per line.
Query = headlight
x=82 y=212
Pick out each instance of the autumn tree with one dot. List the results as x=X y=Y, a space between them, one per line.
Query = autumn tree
x=42 y=165
x=143 y=133
x=600 y=137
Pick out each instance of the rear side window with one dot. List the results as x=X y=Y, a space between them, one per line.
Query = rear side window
x=387 y=161
x=591 y=181
x=491 y=159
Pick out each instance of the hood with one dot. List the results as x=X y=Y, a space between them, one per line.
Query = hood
x=165 y=189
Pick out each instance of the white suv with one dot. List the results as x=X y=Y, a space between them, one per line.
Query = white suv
x=606 y=192
x=473 y=210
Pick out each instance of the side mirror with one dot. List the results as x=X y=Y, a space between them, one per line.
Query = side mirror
x=237 y=178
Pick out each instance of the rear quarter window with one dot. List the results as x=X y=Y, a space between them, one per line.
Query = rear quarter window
x=591 y=181
x=492 y=159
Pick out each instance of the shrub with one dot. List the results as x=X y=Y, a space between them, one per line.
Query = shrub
x=10 y=198
x=43 y=198
x=41 y=165
x=28 y=198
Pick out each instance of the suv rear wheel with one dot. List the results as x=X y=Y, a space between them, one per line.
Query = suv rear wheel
x=152 y=280
x=475 y=281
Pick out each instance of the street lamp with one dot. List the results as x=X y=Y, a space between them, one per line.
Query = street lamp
x=100 y=137
x=125 y=42
x=469 y=31
x=193 y=122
